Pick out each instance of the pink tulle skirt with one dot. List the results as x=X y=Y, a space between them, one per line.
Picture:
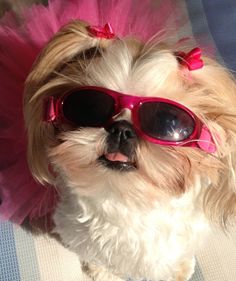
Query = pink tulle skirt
x=20 y=195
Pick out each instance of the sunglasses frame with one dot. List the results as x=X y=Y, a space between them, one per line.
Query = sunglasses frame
x=133 y=103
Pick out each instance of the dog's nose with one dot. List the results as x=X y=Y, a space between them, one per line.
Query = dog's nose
x=121 y=131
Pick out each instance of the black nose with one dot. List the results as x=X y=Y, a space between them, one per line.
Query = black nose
x=121 y=132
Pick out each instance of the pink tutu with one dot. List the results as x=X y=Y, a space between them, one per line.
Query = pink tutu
x=20 y=195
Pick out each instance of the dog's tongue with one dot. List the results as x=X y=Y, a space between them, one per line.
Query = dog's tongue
x=117 y=156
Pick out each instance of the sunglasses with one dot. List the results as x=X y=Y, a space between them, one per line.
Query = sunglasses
x=157 y=120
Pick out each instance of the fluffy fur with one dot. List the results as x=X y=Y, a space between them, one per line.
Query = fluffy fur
x=148 y=222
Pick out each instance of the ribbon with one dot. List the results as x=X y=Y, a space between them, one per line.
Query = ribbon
x=105 y=31
x=192 y=60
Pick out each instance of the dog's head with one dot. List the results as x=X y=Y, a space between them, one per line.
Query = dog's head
x=119 y=155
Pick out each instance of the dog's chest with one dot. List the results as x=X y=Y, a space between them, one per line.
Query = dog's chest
x=130 y=241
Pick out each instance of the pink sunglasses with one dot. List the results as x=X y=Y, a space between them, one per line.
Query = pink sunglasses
x=157 y=120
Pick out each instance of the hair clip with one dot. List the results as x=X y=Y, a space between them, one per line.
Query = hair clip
x=192 y=60
x=105 y=31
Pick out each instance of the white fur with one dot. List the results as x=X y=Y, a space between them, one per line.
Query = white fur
x=145 y=223
x=151 y=245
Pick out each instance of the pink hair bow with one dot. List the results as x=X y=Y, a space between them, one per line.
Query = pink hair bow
x=105 y=31
x=192 y=60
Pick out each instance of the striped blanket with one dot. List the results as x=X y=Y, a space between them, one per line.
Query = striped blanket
x=27 y=257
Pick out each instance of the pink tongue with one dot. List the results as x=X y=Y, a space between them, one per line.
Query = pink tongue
x=117 y=156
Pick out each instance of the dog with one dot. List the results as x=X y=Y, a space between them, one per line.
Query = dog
x=140 y=144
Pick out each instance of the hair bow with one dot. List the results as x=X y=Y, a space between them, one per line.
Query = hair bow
x=192 y=60
x=105 y=31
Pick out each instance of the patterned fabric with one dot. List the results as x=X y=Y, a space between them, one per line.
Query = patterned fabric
x=27 y=257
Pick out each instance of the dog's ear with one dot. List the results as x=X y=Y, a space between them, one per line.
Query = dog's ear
x=68 y=43
x=72 y=43
x=220 y=197
x=219 y=101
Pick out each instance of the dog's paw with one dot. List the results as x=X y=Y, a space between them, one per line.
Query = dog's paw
x=97 y=273
x=186 y=270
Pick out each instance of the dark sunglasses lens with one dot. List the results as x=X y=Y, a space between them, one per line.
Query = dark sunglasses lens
x=165 y=122
x=88 y=108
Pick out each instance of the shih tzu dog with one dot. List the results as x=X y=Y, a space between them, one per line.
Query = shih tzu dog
x=140 y=141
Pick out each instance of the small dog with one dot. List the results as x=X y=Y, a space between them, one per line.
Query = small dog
x=140 y=143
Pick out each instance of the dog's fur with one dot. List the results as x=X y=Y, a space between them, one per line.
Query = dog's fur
x=145 y=223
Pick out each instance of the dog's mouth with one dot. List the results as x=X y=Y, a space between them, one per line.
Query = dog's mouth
x=117 y=161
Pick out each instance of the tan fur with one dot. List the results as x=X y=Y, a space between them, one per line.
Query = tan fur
x=132 y=67
x=211 y=96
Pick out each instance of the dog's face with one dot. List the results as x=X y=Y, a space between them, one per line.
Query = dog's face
x=114 y=160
